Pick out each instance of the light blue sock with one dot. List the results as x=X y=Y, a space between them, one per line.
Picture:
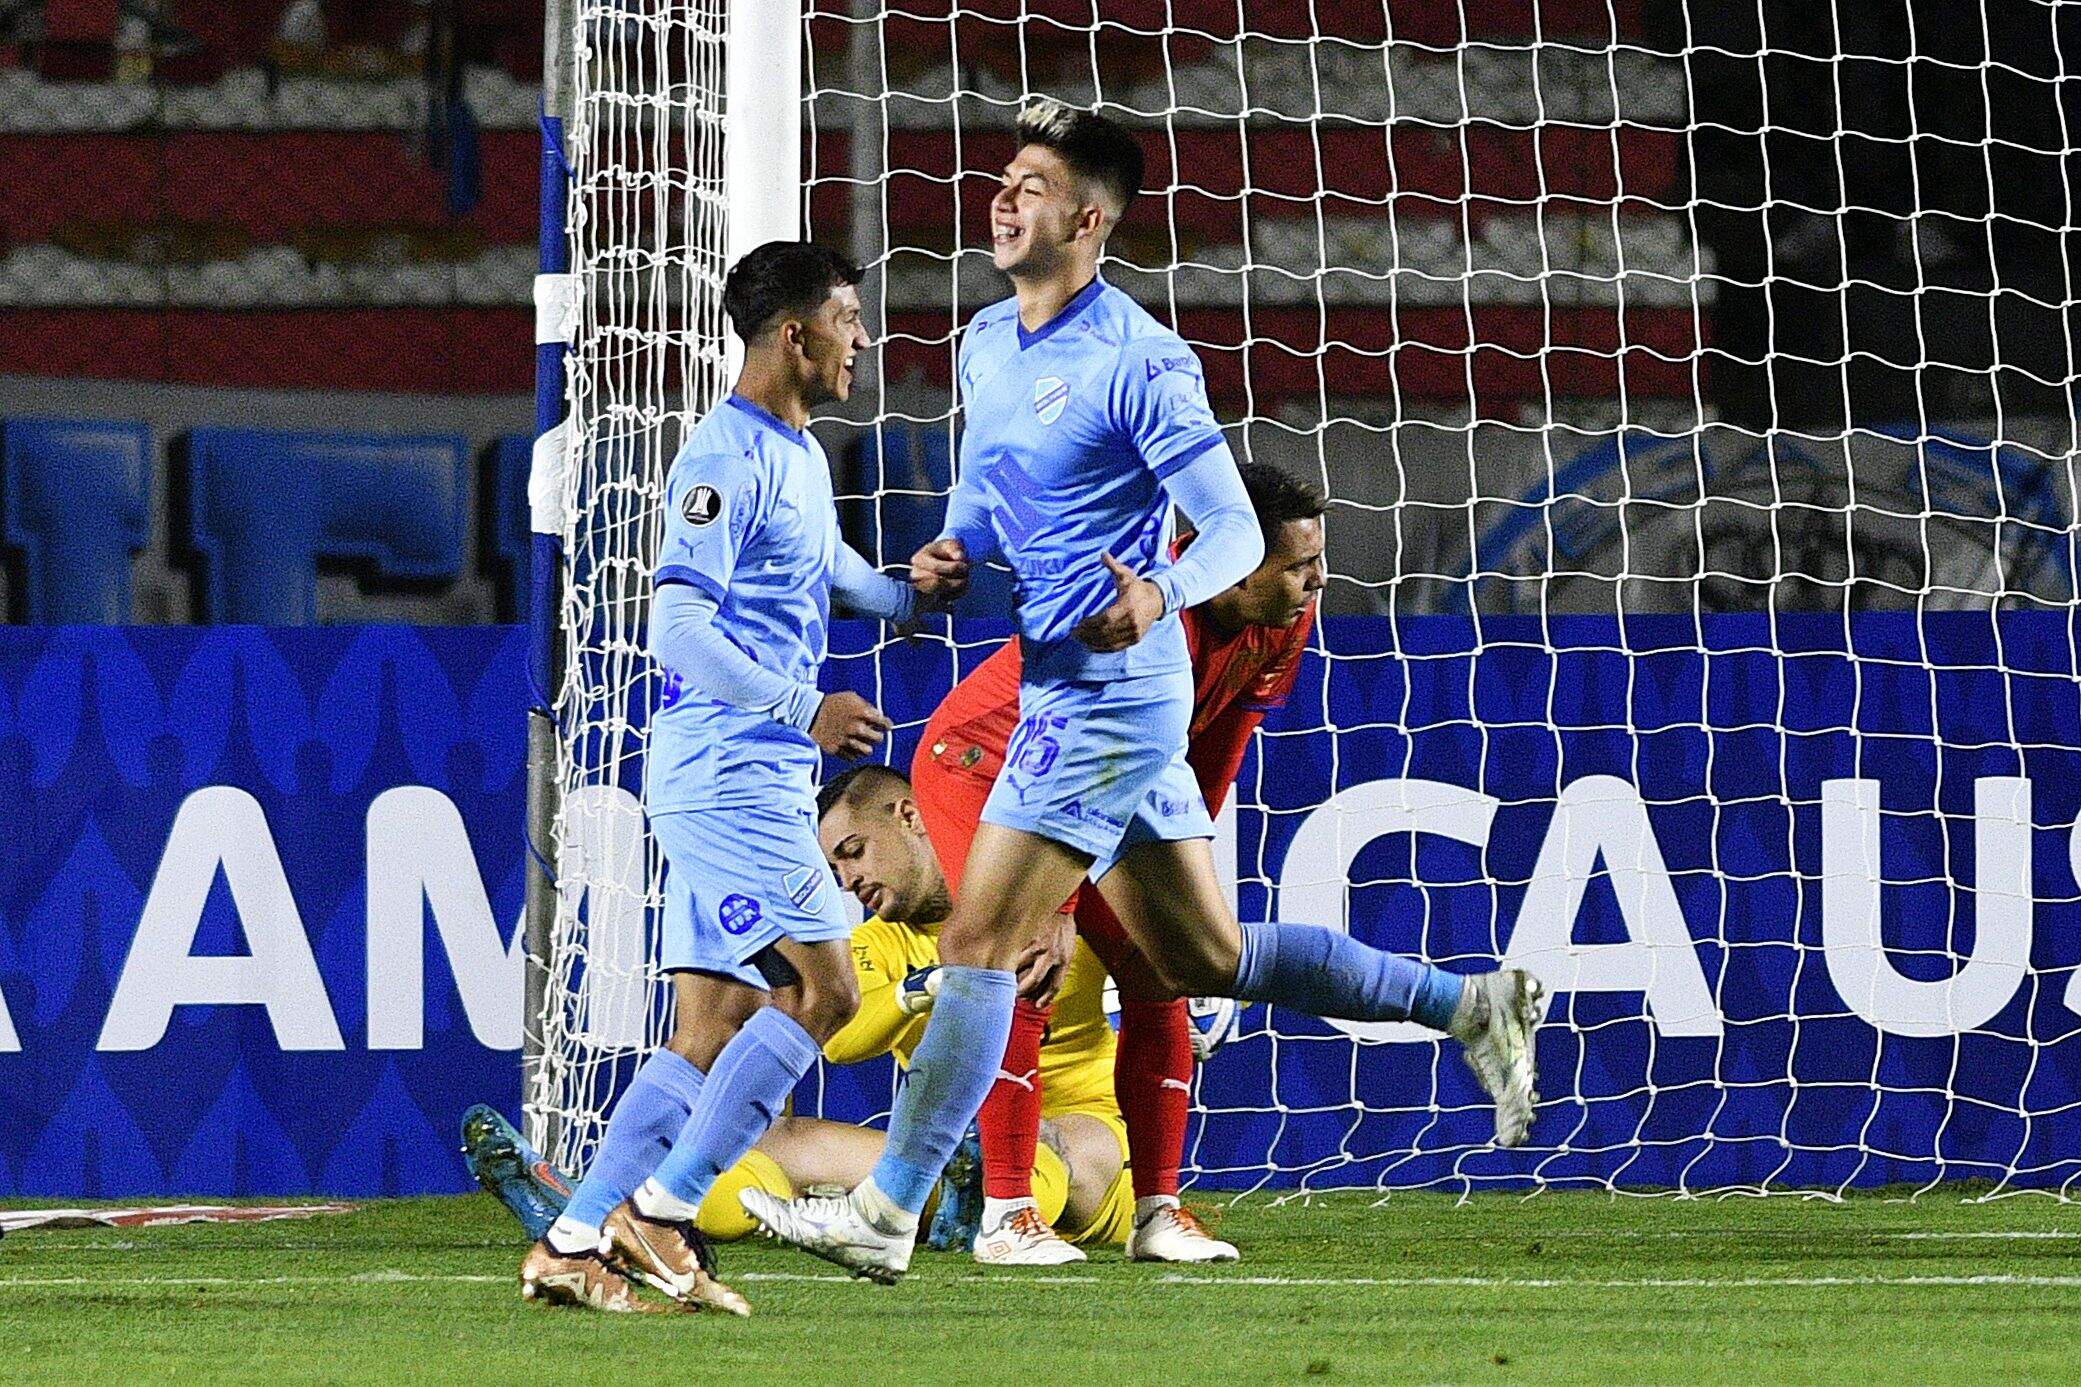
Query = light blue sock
x=950 y=1075
x=746 y=1089
x=1325 y=972
x=652 y=1111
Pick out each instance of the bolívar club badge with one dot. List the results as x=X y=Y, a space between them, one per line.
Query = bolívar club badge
x=1050 y=394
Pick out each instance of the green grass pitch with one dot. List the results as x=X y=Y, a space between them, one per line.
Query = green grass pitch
x=1558 y=1288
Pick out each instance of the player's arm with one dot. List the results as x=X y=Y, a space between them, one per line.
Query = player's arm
x=685 y=640
x=885 y=1009
x=1228 y=545
x=860 y=586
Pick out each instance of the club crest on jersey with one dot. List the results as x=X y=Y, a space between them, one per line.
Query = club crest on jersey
x=1050 y=395
x=703 y=504
x=802 y=885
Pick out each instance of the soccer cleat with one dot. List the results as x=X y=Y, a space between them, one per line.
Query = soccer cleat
x=511 y=1170
x=549 y=1277
x=670 y=1255
x=960 y=1213
x=1498 y=1047
x=1024 y=1239
x=1172 y=1233
x=830 y=1227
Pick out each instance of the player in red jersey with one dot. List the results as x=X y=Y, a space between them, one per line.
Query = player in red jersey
x=1246 y=651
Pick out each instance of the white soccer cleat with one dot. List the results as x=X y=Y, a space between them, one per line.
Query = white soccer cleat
x=828 y=1226
x=1024 y=1239
x=1172 y=1233
x=1497 y=1041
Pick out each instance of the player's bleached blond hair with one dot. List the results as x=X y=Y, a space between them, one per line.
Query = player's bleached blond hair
x=1097 y=150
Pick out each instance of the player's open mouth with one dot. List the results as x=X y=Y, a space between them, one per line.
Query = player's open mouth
x=1004 y=235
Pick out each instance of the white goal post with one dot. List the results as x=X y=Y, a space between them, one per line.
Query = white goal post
x=1693 y=391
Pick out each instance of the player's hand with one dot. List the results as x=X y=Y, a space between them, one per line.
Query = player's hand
x=1044 y=961
x=918 y=991
x=848 y=725
x=1137 y=605
x=939 y=571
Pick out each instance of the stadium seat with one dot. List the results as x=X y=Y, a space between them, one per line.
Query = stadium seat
x=507 y=534
x=265 y=509
x=78 y=499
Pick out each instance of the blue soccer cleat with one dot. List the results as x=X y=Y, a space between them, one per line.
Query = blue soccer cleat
x=960 y=1214
x=508 y=1167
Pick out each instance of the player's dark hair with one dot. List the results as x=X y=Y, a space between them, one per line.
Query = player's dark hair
x=1095 y=149
x=782 y=277
x=850 y=787
x=1279 y=497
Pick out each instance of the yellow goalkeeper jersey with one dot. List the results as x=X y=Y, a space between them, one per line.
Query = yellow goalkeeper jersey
x=1076 y=1058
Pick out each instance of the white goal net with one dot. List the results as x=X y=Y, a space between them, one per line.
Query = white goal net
x=1693 y=389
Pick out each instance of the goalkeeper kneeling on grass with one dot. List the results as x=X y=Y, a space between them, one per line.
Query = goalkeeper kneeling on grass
x=1080 y=1180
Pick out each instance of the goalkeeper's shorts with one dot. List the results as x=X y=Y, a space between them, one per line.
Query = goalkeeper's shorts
x=738 y=880
x=1101 y=767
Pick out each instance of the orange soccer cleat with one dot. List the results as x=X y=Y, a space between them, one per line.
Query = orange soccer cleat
x=672 y=1256
x=550 y=1277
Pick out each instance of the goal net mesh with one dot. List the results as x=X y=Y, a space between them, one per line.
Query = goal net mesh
x=1692 y=386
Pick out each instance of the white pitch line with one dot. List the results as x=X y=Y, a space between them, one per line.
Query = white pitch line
x=1625 y=1283
x=387 y=1276
x=1984 y=1234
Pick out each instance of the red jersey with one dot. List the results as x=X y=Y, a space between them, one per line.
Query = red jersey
x=1235 y=681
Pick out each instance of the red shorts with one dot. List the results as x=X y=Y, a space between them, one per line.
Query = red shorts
x=950 y=785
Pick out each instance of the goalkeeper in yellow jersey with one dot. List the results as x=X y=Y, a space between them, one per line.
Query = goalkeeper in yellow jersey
x=1080 y=1181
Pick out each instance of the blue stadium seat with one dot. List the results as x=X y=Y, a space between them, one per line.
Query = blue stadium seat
x=264 y=509
x=78 y=501
x=507 y=531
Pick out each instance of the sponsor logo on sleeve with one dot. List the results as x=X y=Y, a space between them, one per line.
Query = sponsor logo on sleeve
x=1164 y=364
x=702 y=505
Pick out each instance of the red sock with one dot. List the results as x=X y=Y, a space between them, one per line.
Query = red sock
x=1153 y=1081
x=1010 y=1120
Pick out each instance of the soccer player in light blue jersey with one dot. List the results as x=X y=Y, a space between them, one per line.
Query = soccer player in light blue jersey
x=1085 y=420
x=754 y=933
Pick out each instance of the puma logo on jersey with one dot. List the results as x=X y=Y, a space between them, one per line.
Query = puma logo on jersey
x=1050 y=396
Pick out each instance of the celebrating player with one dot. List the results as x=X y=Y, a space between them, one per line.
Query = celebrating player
x=754 y=933
x=1246 y=645
x=1085 y=420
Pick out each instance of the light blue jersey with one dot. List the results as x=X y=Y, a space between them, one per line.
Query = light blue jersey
x=749 y=520
x=1069 y=434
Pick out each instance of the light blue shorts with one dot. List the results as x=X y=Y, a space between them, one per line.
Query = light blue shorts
x=738 y=879
x=1101 y=766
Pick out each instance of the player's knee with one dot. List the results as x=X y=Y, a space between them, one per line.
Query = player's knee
x=969 y=939
x=823 y=1006
x=1204 y=967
